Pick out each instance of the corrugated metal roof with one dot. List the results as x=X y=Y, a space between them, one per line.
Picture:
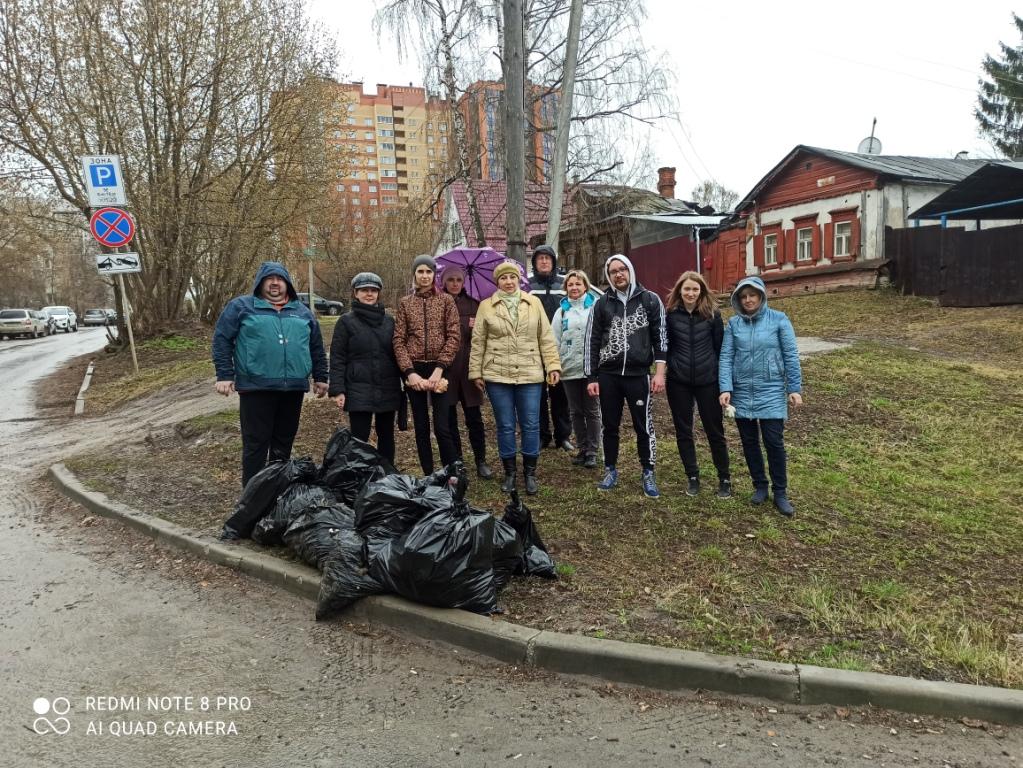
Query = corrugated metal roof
x=905 y=166
x=993 y=183
x=920 y=169
x=695 y=221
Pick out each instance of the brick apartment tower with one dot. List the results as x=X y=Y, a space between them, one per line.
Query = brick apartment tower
x=399 y=142
x=481 y=108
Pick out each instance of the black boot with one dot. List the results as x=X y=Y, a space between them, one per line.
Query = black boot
x=529 y=473
x=509 y=475
x=483 y=470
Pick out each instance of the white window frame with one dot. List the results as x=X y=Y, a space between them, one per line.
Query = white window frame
x=804 y=246
x=843 y=240
x=355 y=188
x=771 y=250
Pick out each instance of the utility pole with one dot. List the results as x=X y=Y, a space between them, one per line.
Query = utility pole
x=564 y=120
x=514 y=131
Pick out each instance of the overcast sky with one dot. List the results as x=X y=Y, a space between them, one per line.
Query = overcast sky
x=753 y=78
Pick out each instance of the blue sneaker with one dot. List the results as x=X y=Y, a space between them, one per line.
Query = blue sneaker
x=650 y=484
x=610 y=479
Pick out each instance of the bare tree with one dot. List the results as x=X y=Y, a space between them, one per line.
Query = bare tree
x=203 y=103
x=714 y=194
x=377 y=240
x=618 y=83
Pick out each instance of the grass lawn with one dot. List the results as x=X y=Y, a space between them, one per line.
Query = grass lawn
x=904 y=555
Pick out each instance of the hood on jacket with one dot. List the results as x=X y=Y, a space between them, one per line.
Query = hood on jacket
x=588 y=299
x=549 y=250
x=268 y=268
x=749 y=282
x=633 y=282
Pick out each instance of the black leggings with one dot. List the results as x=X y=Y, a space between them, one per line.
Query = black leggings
x=361 y=421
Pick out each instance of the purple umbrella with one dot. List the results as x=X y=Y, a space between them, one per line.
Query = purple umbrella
x=478 y=265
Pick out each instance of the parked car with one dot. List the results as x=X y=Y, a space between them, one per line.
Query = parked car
x=326 y=306
x=21 y=322
x=51 y=324
x=111 y=315
x=65 y=318
x=95 y=317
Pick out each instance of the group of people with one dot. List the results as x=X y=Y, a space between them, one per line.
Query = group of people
x=558 y=359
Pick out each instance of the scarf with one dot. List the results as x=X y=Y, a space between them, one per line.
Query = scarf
x=371 y=314
x=511 y=303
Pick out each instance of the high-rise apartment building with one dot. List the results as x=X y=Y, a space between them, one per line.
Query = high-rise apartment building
x=481 y=108
x=398 y=146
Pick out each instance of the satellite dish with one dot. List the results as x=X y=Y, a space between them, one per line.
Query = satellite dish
x=964 y=155
x=869 y=146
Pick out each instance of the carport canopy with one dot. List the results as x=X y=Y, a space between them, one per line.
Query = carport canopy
x=993 y=191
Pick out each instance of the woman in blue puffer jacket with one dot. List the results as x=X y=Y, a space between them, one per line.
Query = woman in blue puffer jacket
x=759 y=370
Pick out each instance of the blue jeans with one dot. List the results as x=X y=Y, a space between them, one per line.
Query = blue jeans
x=516 y=403
x=772 y=432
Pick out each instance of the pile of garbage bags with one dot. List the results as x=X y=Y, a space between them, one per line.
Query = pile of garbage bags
x=371 y=530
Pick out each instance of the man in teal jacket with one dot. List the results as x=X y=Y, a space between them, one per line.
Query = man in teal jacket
x=265 y=347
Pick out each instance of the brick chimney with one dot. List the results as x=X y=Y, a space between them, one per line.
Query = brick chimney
x=666 y=182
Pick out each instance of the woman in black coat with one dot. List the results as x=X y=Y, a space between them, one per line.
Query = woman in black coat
x=364 y=375
x=695 y=332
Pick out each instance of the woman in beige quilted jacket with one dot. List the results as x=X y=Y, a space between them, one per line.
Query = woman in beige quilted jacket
x=513 y=351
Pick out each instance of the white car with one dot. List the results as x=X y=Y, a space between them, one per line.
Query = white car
x=64 y=317
x=22 y=322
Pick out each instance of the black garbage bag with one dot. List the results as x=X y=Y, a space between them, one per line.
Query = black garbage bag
x=295 y=499
x=535 y=559
x=349 y=463
x=313 y=534
x=261 y=492
x=388 y=507
x=445 y=559
x=507 y=554
x=345 y=576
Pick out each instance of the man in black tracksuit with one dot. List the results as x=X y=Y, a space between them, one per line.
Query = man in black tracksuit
x=547 y=285
x=626 y=334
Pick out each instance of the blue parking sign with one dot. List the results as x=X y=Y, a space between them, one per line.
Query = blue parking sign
x=103 y=181
x=103 y=175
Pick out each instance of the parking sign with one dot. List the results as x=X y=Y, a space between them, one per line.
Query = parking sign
x=103 y=180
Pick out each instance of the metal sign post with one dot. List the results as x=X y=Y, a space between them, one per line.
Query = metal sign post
x=112 y=227
x=127 y=321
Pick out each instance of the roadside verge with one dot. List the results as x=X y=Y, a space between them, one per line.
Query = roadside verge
x=627 y=663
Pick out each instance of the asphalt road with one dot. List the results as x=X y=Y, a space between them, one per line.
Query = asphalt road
x=138 y=652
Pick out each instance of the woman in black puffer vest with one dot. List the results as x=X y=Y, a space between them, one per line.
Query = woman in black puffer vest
x=364 y=375
x=695 y=331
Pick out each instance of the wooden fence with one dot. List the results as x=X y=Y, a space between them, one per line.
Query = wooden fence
x=962 y=269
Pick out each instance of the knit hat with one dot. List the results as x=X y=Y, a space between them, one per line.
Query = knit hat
x=452 y=270
x=424 y=259
x=506 y=268
x=367 y=280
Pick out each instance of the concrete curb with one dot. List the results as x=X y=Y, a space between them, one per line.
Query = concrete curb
x=80 y=399
x=612 y=660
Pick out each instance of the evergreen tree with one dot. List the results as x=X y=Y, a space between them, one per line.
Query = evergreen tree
x=999 y=110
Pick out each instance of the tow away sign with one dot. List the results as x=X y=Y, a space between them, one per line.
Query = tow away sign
x=118 y=263
x=103 y=180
